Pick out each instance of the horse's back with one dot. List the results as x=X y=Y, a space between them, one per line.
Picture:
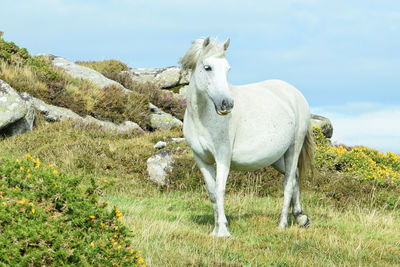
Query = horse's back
x=266 y=119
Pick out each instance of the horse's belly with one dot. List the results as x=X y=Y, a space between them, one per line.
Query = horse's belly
x=256 y=152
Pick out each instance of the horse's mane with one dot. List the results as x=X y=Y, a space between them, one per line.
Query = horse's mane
x=196 y=52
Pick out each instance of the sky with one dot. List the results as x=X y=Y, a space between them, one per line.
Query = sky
x=343 y=56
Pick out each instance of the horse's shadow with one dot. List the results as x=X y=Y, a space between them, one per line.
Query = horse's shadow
x=208 y=219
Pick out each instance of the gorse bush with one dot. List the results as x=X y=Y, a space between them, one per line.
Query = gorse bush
x=361 y=162
x=46 y=219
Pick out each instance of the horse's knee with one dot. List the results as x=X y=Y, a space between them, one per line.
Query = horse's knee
x=213 y=198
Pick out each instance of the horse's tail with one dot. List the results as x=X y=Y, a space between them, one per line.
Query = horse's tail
x=306 y=159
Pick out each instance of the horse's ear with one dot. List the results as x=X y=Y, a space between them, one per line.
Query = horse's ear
x=206 y=42
x=226 y=44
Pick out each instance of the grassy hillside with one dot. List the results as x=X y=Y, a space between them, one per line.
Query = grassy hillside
x=355 y=221
x=37 y=76
x=353 y=200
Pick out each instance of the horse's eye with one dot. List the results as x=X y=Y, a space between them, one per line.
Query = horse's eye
x=207 y=67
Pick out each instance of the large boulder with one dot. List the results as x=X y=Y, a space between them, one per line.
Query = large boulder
x=159 y=120
x=82 y=72
x=12 y=106
x=26 y=123
x=323 y=123
x=164 y=77
x=159 y=165
x=17 y=114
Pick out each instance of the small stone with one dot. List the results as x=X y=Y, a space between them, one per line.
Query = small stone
x=160 y=144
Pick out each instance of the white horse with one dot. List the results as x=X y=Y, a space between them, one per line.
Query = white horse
x=244 y=127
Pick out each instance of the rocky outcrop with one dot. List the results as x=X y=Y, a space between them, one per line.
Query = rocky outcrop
x=164 y=77
x=323 y=123
x=16 y=111
x=82 y=72
x=53 y=114
x=159 y=120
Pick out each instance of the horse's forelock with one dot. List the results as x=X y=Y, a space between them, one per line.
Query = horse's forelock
x=195 y=52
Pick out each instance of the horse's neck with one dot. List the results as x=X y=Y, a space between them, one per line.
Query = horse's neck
x=199 y=105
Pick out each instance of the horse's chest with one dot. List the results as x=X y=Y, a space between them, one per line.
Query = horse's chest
x=200 y=145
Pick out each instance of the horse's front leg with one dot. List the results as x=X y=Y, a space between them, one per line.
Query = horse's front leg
x=209 y=177
x=221 y=223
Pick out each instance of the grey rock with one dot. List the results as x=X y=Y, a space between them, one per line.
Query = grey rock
x=159 y=165
x=162 y=144
x=164 y=77
x=53 y=114
x=126 y=126
x=323 y=123
x=12 y=106
x=26 y=123
x=82 y=72
x=160 y=120
x=163 y=121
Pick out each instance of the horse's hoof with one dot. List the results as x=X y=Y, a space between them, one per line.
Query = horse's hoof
x=303 y=220
x=221 y=232
x=282 y=226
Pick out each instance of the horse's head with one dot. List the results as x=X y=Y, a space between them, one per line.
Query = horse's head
x=210 y=72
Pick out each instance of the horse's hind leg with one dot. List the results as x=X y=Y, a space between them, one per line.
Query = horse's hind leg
x=291 y=158
x=301 y=219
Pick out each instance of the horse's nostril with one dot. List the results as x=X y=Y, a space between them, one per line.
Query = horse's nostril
x=224 y=104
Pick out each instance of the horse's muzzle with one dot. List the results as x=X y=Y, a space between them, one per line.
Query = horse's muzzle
x=225 y=107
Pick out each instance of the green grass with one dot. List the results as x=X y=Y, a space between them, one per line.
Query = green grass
x=174 y=230
x=350 y=226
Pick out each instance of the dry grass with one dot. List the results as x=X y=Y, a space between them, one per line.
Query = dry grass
x=172 y=224
x=173 y=230
x=109 y=68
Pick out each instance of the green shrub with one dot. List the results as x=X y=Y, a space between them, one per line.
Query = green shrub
x=47 y=219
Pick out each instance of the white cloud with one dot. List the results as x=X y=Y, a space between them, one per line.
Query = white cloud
x=369 y=124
